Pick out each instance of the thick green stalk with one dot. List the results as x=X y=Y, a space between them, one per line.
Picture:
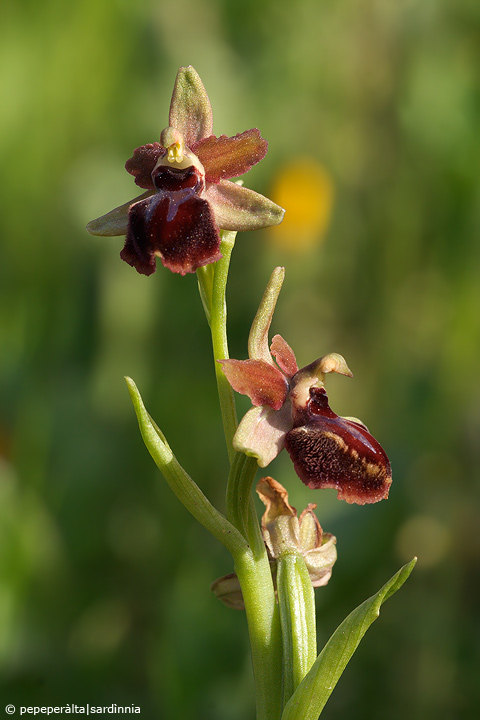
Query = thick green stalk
x=264 y=629
x=296 y=600
x=255 y=576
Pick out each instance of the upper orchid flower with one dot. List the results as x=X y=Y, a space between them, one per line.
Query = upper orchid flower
x=291 y=410
x=188 y=195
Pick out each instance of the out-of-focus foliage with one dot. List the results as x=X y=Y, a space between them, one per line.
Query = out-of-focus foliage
x=104 y=579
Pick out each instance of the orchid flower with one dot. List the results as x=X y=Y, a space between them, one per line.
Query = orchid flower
x=189 y=195
x=291 y=410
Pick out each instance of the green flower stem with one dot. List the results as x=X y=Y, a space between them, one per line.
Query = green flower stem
x=263 y=620
x=252 y=566
x=296 y=600
x=186 y=490
x=212 y=281
x=212 y=292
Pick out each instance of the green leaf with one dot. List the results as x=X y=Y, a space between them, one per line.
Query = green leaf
x=310 y=697
x=180 y=482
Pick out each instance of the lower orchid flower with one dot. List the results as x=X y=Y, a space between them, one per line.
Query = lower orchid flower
x=189 y=196
x=284 y=533
x=291 y=410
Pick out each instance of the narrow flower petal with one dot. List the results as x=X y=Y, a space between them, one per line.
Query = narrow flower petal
x=284 y=355
x=115 y=222
x=227 y=157
x=263 y=383
x=258 y=337
x=261 y=433
x=190 y=109
x=330 y=452
x=238 y=208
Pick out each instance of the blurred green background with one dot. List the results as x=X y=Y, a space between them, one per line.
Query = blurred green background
x=104 y=578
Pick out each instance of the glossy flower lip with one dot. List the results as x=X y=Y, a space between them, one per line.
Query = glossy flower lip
x=290 y=409
x=163 y=218
x=329 y=451
x=188 y=196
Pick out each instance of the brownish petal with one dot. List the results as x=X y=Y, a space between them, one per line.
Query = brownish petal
x=141 y=164
x=284 y=355
x=227 y=157
x=263 y=383
x=331 y=452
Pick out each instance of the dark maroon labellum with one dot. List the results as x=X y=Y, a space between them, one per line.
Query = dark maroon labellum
x=175 y=223
x=331 y=452
x=171 y=179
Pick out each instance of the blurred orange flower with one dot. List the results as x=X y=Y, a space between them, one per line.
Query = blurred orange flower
x=305 y=189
